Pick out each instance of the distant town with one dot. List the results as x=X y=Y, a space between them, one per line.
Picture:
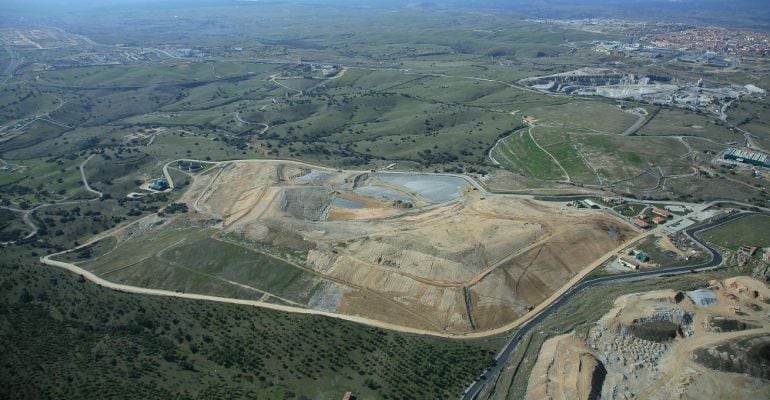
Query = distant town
x=720 y=40
x=676 y=36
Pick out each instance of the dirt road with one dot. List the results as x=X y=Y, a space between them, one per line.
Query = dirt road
x=264 y=125
x=47 y=260
x=85 y=180
x=28 y=213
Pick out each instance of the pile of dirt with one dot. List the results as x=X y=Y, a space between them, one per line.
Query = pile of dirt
x=565 y=369
x=277 y=237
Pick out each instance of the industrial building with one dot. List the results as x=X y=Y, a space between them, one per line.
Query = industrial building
x=747 y=157
x=159 y=185
x=707 y=58
x=190 y=166
x=591 y=204
x=641 y=256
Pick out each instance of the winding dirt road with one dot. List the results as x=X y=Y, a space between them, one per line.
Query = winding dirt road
x=264 y=125
x=28 y=213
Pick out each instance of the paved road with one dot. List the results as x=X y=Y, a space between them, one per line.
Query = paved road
x=504 y=355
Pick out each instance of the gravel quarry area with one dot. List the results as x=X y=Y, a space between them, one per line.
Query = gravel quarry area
x=666 y=344
x=614 y=84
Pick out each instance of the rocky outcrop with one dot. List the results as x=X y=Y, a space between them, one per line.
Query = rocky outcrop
x=659 y=345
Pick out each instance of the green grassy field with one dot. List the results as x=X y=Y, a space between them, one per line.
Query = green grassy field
x=519 y=152
x=618 y=158
x=614 y=157
x=748 y=231
x=630 y=210
x=673 y=122
x=178 y=259
x=581 y=115
x=752 y=115
x=566 y=151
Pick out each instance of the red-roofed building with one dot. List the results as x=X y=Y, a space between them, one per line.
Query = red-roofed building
x=640 y=222
x=658 y=220
x=662 y=213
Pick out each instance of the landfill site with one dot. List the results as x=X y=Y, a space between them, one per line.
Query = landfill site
x=427 y=251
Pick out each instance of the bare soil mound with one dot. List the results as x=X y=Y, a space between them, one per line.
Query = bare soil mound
x=566 y=369
x=406 y=247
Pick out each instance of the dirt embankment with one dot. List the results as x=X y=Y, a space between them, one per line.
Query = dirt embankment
x=566 y=369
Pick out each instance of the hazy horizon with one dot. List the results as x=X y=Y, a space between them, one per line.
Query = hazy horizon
x=752 y=14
